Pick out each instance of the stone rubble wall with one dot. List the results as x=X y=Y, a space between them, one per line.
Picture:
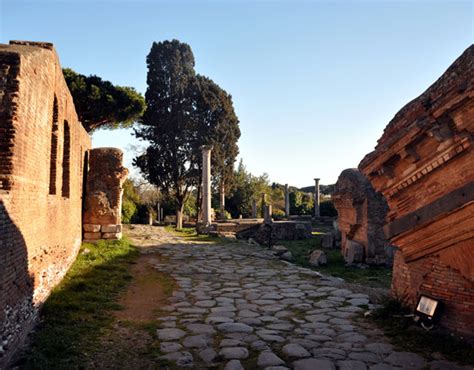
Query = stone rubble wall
x=42 y=152
x=423 y=166
x=361 y=217
x=103 y=201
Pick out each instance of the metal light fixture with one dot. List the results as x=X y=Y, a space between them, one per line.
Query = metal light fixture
x=427 y=310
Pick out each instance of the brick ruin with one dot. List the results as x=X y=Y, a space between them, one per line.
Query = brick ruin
x=103 y=203
x=361 y=217
x=424 y=166
x=43 y=162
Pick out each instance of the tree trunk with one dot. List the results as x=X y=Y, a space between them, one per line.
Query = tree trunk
x=179 y=217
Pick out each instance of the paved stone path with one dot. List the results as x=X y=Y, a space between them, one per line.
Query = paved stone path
x=238 y=307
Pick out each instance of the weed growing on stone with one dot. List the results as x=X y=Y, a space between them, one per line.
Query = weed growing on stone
x=375 y=277
x=407 y=336
x=78 y=311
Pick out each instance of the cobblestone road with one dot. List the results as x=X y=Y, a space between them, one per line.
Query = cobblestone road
x=238 y=307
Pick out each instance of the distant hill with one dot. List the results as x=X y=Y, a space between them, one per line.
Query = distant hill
x=324 y=189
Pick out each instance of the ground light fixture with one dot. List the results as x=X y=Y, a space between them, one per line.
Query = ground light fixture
x=427 y=311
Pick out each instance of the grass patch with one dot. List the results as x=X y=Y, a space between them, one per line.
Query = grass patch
x=406 y=335
x=190 y=234
x=78 y=310
x=376 y=277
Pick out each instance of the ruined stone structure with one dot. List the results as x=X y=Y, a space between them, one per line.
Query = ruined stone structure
x=103 y=202
x=42 y=159
x=317 y=212
x=206 y=186
x=424 y=166
x=361 y=217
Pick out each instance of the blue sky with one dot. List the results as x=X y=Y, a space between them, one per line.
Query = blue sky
x=314 y=83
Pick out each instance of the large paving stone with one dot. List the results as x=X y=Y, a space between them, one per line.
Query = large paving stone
x=169 y=347
x=234 y=365
x=231 y=353
x=235 y=327
x=295 y=350
x=406 y=360
x=208 y=355
x=182 y=359
x=268 y=358
x=170 y=334
x=201 y=328
x=314 y=364
x=197 y=341
x=351 y=365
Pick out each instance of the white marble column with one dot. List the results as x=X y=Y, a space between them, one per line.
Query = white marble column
x=287 y=201
x=316 y=198
x=222 y=201
x=206 y=185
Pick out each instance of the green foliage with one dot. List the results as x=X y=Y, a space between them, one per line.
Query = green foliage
x=246 y=188
x=326 y=208
x=301 y=203
x=100 y=104
x=78 y=310
x=130 y=202
x=377 y=277
x=183 y=112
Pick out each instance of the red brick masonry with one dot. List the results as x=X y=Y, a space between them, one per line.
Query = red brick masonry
x=424 y=166
x=42 y=151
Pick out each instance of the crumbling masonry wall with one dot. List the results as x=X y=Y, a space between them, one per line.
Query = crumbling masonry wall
x=103 y=203
x=361 y=217
x=424 y=166
x=42 y=151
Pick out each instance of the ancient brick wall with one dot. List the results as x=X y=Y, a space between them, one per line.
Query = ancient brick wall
x=424 y=166
x=361 y=217
x=103 y=200
x=42 y=150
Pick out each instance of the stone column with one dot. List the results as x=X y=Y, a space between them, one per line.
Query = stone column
x=264 y=203
x=206 y=185
x=254 y=208
x=267 y=213
x=287 y=201
x=158 y=212
x=316 y=198
x=222 y=202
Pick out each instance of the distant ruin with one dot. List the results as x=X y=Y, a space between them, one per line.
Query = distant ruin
x=43 y=164
x=103 y=202
x=361 y=219
x=424 y=166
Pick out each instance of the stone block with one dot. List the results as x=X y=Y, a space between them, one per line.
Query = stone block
x=92 y=236
x=318 y=258
x=328 y=240
x=111 y=228
x=91 y=228
x=354 y=252
x=278 y=250
x=112 y=236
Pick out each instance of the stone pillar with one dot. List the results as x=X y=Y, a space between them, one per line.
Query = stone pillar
x=222 y=202
x=267 y=213
x=264 y=203
x=287 y=201
x=206 y=185
x=158 y=212
x=103 y=196
x=316 y=198
x=254 y=208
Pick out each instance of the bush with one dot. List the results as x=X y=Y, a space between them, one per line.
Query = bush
x=327 y=208
x=129 y=209
x=278 y=214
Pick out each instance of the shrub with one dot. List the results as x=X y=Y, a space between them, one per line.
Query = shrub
x=327 y=208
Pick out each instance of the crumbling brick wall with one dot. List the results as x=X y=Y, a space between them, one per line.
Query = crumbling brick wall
x=361 y=217
x=423 y=165
x=103 y=202
x=42 y=151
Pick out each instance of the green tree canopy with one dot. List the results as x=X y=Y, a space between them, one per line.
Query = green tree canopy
x=100 y=104
x=183 y=112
